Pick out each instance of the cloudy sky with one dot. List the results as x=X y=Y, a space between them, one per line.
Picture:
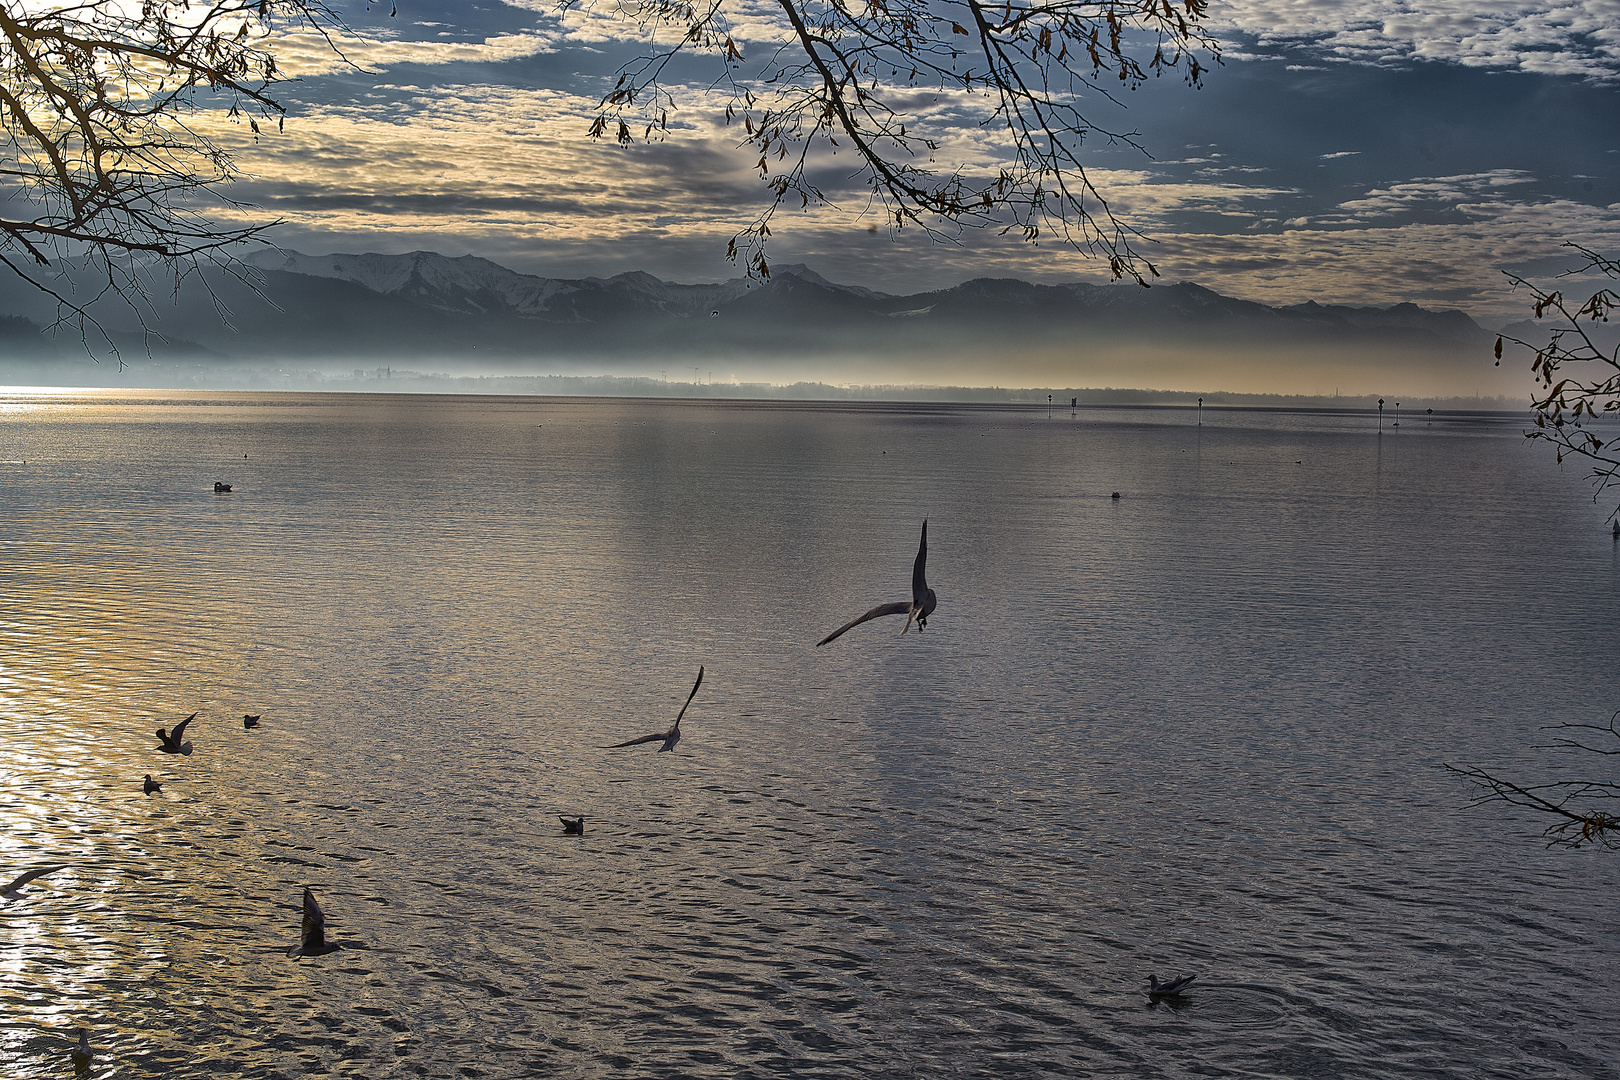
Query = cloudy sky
x=1351 y=151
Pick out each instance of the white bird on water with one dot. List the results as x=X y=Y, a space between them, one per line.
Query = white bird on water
x=922 y=604
x=14 y=890
x=673 y=735
x=172 y=744
x=312 y=940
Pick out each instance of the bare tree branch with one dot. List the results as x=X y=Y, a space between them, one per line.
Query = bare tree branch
x=1564 y=397
x=841 y=77
x=1568 y=801
x=98 y=100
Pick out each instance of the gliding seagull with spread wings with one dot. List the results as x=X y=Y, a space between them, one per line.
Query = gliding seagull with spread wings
x=673 y=735
x=923 y=600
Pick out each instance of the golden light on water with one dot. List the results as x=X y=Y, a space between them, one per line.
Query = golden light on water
x=444 y=609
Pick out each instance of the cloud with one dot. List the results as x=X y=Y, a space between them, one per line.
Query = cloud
x=438 y=152
x=1561 y=37
x=748 y=22
x=508 y=173
x=306 y=55
x=1426 y=194
x=1442 y=264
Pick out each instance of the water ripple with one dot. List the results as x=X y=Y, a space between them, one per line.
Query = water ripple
x=1195 y=731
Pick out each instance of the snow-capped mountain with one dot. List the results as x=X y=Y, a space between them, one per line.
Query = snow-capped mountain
x=475 y=286
x=424 y=305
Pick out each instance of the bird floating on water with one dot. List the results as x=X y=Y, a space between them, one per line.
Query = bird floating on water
x=151 y=787
x=83 y=1057
x=14 y=890
x=670 y=737
x=220 y=487
x=574 y=825
x=1168 y=988
x=172 y=743
x=250 y=721
x=923 y=600
x=312 y=941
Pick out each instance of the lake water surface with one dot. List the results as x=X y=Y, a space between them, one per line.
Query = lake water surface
x=1199 y=728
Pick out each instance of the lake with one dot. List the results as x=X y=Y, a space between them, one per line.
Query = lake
x=1199 y=728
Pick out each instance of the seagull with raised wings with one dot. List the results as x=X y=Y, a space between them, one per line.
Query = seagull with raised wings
x=673 y=735
x=922 y=603
x=312 y=940
x=172 y=743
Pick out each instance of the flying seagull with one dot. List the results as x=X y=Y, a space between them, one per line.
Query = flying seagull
x=922 y=602
x=250 y=721
x=172 y=743
x=151 y=787
x=83 y=1057
x=1169 y=988
x=574 y=825
x=313 y=940
x=14 y=890
x=670 y=737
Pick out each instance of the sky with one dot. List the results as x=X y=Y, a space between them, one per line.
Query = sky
x=1346 y=151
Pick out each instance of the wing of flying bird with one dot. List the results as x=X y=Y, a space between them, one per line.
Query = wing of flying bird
x=657 y=736
x=689 y=697
x=919 y=580
x=673 y=735
x=25 y=878
x=876 y=613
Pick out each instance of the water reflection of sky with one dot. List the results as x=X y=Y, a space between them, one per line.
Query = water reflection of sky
x=1198 y=726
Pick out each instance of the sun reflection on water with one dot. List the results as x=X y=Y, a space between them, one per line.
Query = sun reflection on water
x=917 y=854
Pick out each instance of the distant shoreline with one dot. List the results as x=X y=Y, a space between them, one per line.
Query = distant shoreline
x=400 y=381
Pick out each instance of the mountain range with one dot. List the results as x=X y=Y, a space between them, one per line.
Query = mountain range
x=424 y=305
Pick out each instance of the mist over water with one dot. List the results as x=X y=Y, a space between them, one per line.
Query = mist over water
x=1195 y=729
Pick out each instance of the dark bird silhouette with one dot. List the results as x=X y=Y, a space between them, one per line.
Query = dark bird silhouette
x=670 y=737
x=574 y=825
x=1168 y=988
x=312 y=942
x=923 y=600
x=83 y=1057
x=151 y=787
x=172 y=743
x=250 y=721
x=221 y=487
x=14 y=890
